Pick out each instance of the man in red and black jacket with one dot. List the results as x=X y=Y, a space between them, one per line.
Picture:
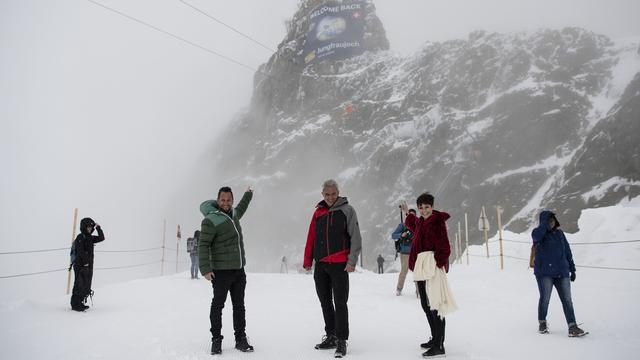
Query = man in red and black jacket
x=429 y=234
x=334 y=242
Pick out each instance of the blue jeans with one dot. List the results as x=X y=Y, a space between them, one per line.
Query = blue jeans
x=194 y=265
x=563 y=287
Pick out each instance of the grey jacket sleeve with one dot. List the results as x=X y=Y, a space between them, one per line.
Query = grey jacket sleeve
x=353 y=228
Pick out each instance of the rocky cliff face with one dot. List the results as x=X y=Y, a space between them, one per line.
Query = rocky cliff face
x=524 y=121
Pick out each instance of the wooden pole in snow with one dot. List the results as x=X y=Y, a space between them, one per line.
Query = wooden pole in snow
x=485 y=229
x=466 y=236
x=164 y=231
x=73 y=237
x=455 y=246
x=459 y=244
x=178 y=237
x=499 y=210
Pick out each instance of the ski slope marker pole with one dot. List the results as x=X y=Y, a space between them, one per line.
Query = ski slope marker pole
x=178 y=237
x=466 y=236
x=73 y=237
x=499 y=210
x=164 y=231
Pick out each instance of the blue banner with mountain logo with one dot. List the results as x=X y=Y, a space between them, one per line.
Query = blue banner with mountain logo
x=335 y=31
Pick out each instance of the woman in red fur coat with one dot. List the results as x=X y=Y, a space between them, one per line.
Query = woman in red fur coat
x=430 y=234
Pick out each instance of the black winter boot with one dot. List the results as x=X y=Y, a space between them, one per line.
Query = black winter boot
x=77 y=305
x=79 y=308
x=434 y=352
x=341 y=348
x=242 y=344
x=328 y=342
x=542 y=327
x=216 y=346
x=575 y=331
x=427 y=345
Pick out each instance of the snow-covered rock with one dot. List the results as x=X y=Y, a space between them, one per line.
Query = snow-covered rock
x=525 y=121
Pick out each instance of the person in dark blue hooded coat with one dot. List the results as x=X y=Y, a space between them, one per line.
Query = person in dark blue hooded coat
x=554 y=267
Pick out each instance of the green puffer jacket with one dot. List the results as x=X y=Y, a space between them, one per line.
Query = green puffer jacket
x=221 y=246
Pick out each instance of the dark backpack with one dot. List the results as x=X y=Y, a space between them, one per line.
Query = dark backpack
x=397 y=243
x=191 y=245
x=72 y=254
x=408 y=239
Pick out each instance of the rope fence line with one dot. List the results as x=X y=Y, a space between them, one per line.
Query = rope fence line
x=517 y=241
x=65 y=269
x=606 y=268
x=128 y=266
x=185 y=262
x=604 y=242
x=125 y=251
x=178 y=259
x=68 y=248
x=173 y=261
x=34 y=273
x=515 y=257
x=32 y=251
x=173 y=249
x=571 y=242
x=483 y=256
x=578 y=266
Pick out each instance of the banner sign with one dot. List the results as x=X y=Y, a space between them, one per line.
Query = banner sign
x=335 y=32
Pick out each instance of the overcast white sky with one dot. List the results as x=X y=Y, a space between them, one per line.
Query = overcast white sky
x=411 y=22
x=102 y=113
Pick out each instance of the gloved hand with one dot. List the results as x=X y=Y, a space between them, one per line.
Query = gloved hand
x=573 y=277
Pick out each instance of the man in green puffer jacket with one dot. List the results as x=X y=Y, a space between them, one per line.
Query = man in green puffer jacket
x=222 y=260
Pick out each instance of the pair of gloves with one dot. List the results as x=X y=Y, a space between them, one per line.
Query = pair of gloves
x=573 y=276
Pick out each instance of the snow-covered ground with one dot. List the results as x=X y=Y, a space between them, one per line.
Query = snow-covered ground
x=167 y=317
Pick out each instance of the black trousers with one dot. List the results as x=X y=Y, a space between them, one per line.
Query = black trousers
x=332 y=286
x=380 y=269
x=233 y=282
x=436 y=323
x=81 y=284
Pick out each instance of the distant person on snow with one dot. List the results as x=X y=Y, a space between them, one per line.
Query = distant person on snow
x=192 y=249
x=82 y=262
x=334 y=243
x=430 y=234
x=554 y=267
x=380 y=264
x=222 y=260
x=403 y=238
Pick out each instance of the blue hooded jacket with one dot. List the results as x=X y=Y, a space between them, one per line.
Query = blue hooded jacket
x=405 y=246
x=553 y=254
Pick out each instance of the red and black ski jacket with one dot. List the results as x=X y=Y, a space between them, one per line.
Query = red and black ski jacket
x=334 y=234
